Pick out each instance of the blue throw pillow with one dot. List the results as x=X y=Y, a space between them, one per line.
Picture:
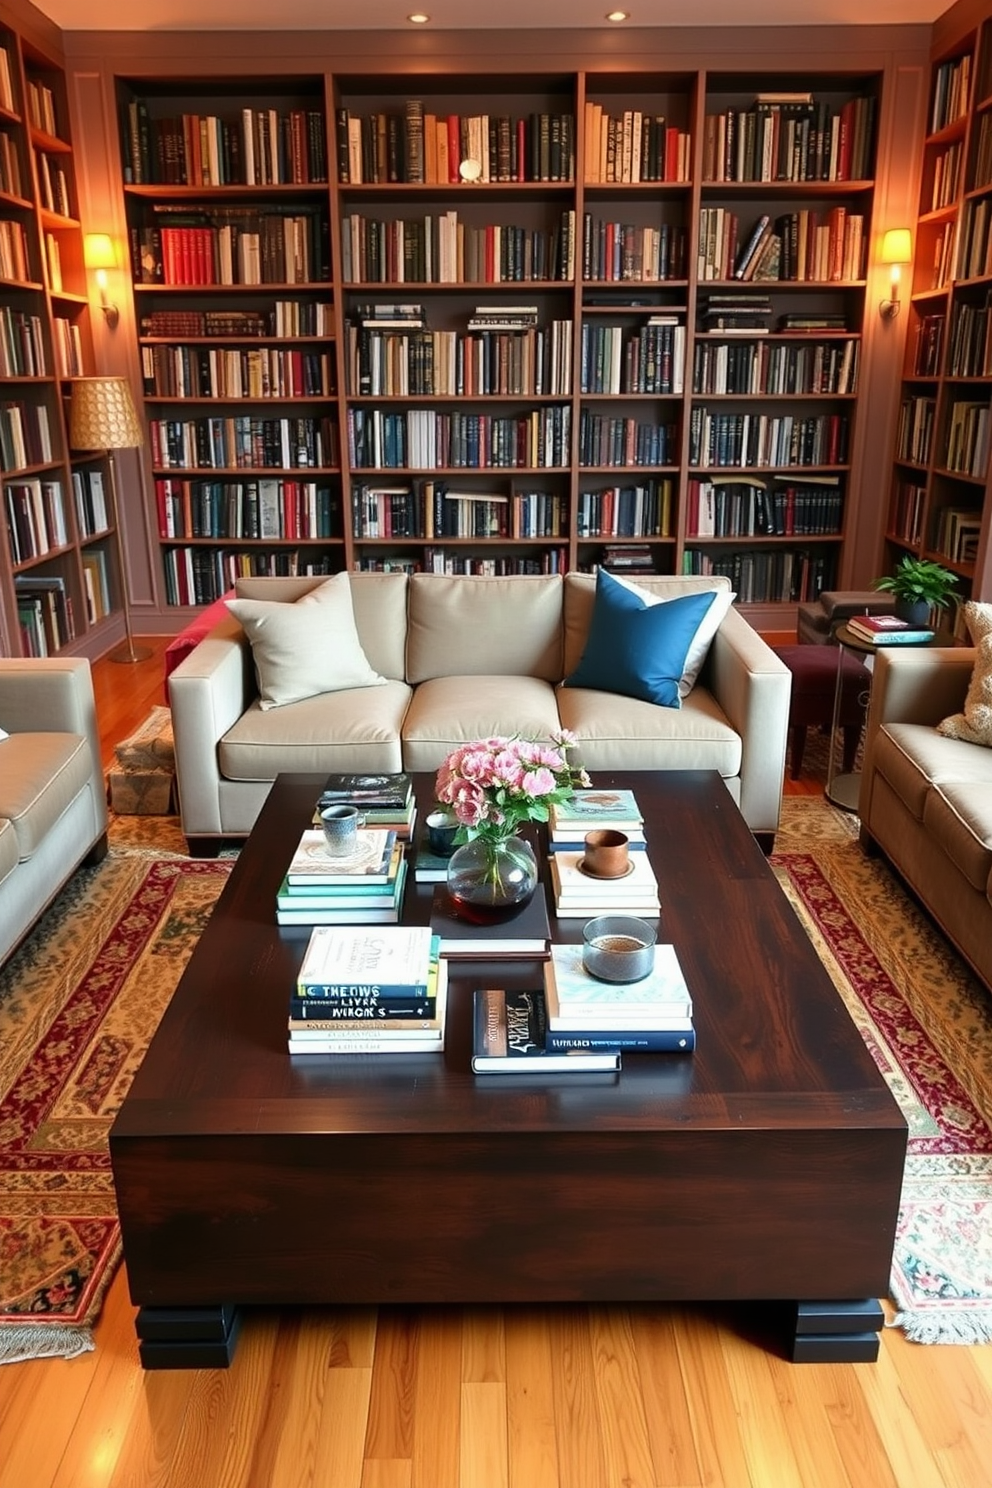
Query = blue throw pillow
x=638 y=649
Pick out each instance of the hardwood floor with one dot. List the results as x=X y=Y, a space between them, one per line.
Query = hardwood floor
x=677 y=1397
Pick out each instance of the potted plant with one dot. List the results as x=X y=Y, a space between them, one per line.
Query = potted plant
x=919 y=586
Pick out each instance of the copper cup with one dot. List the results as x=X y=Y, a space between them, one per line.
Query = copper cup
x=607 y=853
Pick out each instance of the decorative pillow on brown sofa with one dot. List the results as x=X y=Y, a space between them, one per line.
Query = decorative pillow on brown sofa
x=974 y=725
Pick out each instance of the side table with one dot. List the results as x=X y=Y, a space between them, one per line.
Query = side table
x=843 y=788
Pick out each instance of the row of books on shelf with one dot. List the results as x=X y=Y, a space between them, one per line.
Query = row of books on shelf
x=948 y=164
x=90 y=500
x=633 y=146
x=802 y=246
x=44 y=613
x=635 y=510
x=262 y=245
x=22 y=344
x=35 y=515
x=983 y=154
x=15 y=254
x=627 y=252
x=447 y=561
x=761 y=440
x=776 y=369
x=199 y=576
x=428 y=509
x=914 y=429
x=96 y=584
x=730 y=507
x=427 y=439
x=928 y=344
x=445 y=248
x=248 y=147
x=236 y=372
x=244 y=441
x=417 y=145
x=285 y=318
x=7 y=99
x=907 y=511
x=68 y=344
x=648 y=358
x=286 y=510
x=10 y=166
x=41 y=107
x=606 y=440
x=25 y=435
x=526 y=360
x=957 y=533
x=969 y=351
x=767 y=575
x=967 y=446
x=952 y=92
x=975 y=243
x=54 y=185
x=791 y=137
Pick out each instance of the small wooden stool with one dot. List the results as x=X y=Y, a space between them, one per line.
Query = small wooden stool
x=814 y=678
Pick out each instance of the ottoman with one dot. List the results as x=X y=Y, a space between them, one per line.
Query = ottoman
x=814 y=679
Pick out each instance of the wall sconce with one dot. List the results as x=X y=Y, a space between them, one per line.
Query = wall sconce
x=100 y=255
x=897 y=249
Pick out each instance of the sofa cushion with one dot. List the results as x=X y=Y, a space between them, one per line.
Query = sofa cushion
x=702 y=637
x=305 y=648
x=622 y=733
x=580 y=594
x=350 y=730
x=473 y=626
x=913 y=757
x=958 y=818
x=638 y=648
x=40 y=776
x=8 y=848
x=447 y=711
x=974 y=724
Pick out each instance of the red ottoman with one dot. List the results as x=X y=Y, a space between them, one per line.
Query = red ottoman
x=814 y=678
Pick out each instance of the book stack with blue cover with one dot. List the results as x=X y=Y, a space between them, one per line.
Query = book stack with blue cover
x=584 y=1013
x=385 y=800
x=369 y=991
x=363 y=888
x=580 y=893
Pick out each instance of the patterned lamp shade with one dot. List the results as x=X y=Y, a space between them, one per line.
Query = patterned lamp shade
x=102 y=415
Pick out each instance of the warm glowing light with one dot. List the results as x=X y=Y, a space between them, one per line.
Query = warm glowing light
x=897 y=249
x=99 y=254
x=618 y=15
x=418 y=18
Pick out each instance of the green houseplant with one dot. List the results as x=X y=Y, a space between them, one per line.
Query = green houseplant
x=919 y=585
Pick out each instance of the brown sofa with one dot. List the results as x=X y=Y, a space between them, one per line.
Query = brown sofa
x=926 y=800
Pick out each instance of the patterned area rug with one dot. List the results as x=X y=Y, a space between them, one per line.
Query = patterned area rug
x=81 y=998
x=928 y=1024
x=78 y=1004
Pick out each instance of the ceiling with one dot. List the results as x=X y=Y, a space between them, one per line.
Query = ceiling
x=323 y=15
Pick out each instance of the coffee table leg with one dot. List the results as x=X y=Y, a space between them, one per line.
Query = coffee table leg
x=187 y=1337
x=843 y=1332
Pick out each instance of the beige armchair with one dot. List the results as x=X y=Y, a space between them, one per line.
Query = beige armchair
x=53 y=805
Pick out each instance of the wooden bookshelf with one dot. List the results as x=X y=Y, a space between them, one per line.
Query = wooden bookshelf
x=939 y=504
x=580 y=203
x=48 y=545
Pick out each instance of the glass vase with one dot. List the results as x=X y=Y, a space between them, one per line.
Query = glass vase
x=489 y=879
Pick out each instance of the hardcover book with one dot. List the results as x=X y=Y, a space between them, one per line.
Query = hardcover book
x=526 y=934
x=372 y=862
x=576 y=1000
x=370 y=790
x=597 y=808
x=349 y=958
x=336 y=909
x=509 y=1031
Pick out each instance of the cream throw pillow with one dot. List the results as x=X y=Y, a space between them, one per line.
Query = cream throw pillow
x=974 y=725
x=305 y=648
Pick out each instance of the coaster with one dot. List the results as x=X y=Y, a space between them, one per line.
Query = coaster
x=605 y=877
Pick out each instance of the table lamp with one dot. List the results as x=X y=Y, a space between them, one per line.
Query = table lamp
x=102 y=417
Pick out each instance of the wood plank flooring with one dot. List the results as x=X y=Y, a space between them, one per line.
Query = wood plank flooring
x=646 y=1397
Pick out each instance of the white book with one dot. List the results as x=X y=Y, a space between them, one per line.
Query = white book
x=579 y=1001
x=352 y=956
x=572 y=883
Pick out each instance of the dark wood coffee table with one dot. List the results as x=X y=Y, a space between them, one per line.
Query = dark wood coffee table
x=766 y=1166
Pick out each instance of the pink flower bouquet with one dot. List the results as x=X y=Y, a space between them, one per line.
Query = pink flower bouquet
x=494 y=785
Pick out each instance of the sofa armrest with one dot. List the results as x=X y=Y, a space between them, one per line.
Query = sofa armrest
x=54 y=695
x=921 y=684
x=208 y=693
x=753 y=687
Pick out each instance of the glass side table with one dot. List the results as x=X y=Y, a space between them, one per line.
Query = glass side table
x=843 y=787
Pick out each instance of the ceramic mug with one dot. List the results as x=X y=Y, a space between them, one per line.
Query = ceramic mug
x=607 y=853
x=441 y=829
x=341 y=824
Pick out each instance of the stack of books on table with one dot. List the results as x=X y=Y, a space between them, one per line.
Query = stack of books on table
x=590 y=810
x=887 y=630
x=510 y=1037
x=369 y=992
x=581 y=896
x=654 y=1014
x=385 y=800
x=364 y=888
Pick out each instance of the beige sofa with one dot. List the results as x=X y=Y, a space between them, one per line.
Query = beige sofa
x=53 y=805
x=926 y=800
x=464 y=658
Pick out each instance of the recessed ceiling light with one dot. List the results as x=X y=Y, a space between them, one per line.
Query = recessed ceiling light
x=418 y=18
x=618 y=15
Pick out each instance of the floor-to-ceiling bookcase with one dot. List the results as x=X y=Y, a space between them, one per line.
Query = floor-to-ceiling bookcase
x=59 y=587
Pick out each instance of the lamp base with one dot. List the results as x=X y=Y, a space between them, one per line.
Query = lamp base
x=130 y=653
